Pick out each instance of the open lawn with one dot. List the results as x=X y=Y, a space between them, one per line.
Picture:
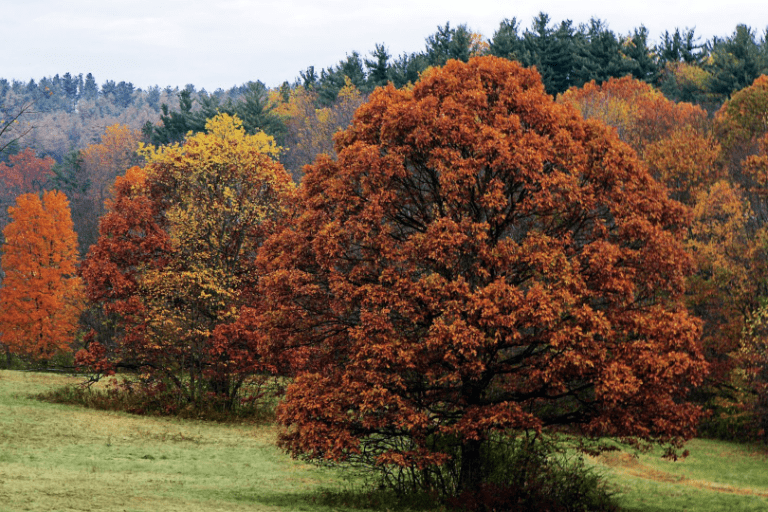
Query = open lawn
x=55 y=457
x=64 y=458
x=717 y=476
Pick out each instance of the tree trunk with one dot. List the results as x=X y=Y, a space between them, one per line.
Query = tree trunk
x=221 y=388
x=471 y=474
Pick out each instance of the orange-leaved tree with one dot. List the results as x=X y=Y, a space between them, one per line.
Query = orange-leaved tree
x=723 y=290
x=743 y=119
x=175 y=252
x=672 y=139
x=742 y=125
x=101 y=163
x=478 y=260
x=41 y=295
x=109 y=158
x=729 y=241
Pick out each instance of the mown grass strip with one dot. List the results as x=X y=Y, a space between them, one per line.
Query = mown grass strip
x=717 y=476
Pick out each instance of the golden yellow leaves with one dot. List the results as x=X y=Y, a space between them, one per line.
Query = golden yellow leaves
x=177 y=251
x=218 y=182
x=224 y=137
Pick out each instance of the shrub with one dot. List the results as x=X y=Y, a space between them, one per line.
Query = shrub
x=150 y=397
x=523 y=473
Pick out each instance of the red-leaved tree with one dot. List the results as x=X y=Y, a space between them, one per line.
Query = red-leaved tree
x=24 y=173
x=478 y=260
x=174 y=256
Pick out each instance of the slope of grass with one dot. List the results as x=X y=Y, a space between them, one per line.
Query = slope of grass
x=716 y=476
x=55 y=457
x=64 y=458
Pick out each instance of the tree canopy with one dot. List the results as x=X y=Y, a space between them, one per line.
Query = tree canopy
x=477 y=259
x=175 y=251
x=41 y=296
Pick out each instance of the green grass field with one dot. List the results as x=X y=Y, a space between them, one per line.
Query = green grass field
x=64 y=458
x=55 y=457
x=717 y=476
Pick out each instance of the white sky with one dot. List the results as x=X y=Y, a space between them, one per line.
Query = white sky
x=222 y=43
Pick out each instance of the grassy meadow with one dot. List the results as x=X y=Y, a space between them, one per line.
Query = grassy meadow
x=64 y=458
x=716 y=476
x=55 y=457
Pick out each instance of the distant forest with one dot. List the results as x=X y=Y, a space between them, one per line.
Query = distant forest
x=76 y=124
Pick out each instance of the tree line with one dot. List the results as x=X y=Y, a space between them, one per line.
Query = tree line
x=682 y=66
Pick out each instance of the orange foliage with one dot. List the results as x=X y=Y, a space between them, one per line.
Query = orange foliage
x=640 y=113
x=743 y=119
x=741 y=125
x=685 y=161
x=723 y=290
x=756 y=167
x=104 y=161
x=477 y=259
x=730 y=237
x=674 y=141
x=41 y=297
x=671 y=138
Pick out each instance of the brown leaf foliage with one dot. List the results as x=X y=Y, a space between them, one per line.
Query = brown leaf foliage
x=477 y=259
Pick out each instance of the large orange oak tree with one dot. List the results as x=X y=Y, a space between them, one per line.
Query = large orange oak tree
x=478 y=260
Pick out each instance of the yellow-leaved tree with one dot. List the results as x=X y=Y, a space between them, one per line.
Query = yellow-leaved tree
x=206 y=206
x=41 y=296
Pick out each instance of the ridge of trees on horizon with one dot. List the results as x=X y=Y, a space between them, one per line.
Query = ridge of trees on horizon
x=566 y=55
x=71 y=113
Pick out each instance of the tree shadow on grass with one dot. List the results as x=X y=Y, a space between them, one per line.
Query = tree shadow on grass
x=644 y=509
x=342 y=500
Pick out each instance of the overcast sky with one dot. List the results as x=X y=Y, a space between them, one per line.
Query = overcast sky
x=222 y=43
